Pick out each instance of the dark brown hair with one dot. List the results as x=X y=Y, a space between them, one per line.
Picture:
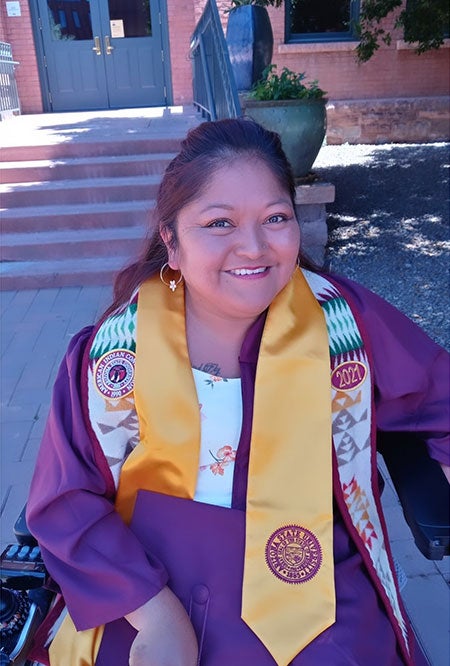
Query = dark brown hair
x=207 y=148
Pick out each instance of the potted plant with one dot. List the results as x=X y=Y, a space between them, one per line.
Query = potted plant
x=285 y=103
x=250 y=39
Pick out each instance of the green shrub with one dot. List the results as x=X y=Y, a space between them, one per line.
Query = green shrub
x=287 y=85
x=257 y=3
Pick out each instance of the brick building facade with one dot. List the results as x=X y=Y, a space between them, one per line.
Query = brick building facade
x=396 y=96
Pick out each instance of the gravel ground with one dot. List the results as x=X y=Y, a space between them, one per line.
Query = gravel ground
x=389 y=225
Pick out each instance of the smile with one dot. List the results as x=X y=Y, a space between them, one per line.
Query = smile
x=248 y=271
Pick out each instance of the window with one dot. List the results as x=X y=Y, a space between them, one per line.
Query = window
x=321 y=20
x=70 y=19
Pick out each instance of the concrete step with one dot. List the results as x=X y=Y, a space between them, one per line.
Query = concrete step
x=83 y=147
x=71 y=244
x=82 y=216
x=77 y=196
x=63 y=273
x=86 y=167
x=79 y=191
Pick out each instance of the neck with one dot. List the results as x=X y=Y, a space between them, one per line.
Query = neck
x=214 y=343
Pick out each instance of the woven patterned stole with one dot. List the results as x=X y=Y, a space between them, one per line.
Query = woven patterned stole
x=351 y=389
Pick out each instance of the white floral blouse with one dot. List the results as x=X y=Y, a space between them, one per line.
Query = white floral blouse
x=220 y=403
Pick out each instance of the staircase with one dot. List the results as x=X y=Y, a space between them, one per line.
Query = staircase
x=73 y=213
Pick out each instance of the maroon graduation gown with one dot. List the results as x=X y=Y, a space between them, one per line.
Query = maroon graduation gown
x=107 y=569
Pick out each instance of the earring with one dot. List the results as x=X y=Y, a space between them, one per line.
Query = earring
x=296 y=267
x=171 y=284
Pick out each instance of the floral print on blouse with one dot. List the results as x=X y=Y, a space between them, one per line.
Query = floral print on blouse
x=220 y=404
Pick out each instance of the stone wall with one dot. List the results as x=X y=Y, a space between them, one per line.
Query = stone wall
x=311 y=212
x=413 y=120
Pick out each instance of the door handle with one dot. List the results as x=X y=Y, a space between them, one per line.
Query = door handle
x=109 y=49
x=97 y=47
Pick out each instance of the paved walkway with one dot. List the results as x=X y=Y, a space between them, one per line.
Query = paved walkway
x=36 y=328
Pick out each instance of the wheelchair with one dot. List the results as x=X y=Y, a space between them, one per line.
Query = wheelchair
x=421 y=486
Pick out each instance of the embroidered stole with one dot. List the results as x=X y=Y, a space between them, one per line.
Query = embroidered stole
x=294 y=546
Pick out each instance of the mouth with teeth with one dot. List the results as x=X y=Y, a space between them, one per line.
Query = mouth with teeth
x=244 y=272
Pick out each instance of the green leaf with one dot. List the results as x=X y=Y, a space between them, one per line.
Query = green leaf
x=284 y=86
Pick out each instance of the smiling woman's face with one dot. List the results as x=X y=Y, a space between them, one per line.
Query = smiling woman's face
x=237 y=243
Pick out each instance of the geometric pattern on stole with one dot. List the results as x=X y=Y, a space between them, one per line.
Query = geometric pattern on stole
x=351 y=427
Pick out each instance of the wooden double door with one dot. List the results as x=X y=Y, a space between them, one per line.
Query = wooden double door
x=103 y=54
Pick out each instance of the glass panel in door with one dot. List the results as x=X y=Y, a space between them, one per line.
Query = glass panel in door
x=133 y=14
x=133 y=53
x=70 y=19
x=75 y=66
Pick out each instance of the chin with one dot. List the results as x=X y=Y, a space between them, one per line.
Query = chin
x=251 y=311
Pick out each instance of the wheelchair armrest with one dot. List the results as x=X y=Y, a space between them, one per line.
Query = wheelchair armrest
x=423 y=491
x=21 y=531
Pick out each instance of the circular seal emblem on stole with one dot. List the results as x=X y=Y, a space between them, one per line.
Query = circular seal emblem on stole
x=293 y=554
x=114 y=373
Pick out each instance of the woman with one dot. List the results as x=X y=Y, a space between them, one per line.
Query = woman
x=198 y=493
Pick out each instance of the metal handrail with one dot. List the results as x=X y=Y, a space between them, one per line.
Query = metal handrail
x=214 y=88
x=9 y=96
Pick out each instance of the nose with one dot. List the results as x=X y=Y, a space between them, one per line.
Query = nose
x=251 y=243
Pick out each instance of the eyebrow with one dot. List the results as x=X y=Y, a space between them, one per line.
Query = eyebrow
x=229 y=207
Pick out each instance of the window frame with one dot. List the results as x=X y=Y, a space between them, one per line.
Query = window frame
x=309 y=37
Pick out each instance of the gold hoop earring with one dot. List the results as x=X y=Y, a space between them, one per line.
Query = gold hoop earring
x=172 y=284
x=296 y=267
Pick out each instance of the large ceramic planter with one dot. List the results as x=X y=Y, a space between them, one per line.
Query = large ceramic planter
x=250 y=44
x=301 y=125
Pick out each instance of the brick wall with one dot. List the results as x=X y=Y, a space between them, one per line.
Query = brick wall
x=181 y=26
x=18 y=32
x=183 y=17
x=394 y=71
x=3 y=23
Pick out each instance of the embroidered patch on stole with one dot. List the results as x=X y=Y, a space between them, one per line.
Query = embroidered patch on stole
x=114 y=374
x=293 y=554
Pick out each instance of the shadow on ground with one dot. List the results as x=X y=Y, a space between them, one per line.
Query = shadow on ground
x=389 y=225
